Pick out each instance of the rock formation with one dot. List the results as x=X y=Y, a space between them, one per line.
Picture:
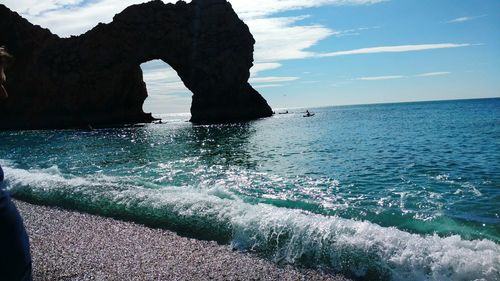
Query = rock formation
x=96 y=79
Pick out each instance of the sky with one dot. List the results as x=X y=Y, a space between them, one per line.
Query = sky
x=311 y=53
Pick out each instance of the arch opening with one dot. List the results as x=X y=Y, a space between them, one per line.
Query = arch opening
x=168 y=98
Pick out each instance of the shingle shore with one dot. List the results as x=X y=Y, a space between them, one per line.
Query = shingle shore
x=68 y=245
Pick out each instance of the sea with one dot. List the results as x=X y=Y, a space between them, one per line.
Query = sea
x=405 y=191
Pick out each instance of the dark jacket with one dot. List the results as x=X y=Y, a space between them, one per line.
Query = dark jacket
x=15 y=258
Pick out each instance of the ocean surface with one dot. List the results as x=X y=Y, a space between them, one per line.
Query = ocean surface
x=406 y=191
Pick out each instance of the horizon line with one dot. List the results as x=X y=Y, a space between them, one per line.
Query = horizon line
x=357 y=104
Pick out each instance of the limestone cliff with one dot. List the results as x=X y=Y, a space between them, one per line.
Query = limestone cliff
x=95 y=78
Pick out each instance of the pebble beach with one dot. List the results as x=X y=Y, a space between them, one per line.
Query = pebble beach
x=67 y=245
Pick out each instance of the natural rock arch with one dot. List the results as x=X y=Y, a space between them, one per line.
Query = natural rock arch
x=95 y=78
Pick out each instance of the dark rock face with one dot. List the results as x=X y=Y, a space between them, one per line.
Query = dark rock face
x=96 y=78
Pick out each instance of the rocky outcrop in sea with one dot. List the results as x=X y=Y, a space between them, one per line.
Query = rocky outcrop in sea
x=95 y=78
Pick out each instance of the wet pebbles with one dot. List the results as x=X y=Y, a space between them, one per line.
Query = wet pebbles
x=69 y=245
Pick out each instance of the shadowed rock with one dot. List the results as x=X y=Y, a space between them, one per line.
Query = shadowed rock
x=95 y=78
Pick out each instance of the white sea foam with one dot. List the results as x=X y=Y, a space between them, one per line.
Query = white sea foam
x=443 y=177
x=51 y=179
x=292 y=236
x=465 y=185
x=472 y=188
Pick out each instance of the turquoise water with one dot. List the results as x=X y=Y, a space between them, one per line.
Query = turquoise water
x=395 y=191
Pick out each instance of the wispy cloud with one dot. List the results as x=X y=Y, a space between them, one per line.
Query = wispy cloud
x=283 y=39
x=260 y=8
x=160 y=74
x=69 y=17
x=161 y=79
x=440 y=73
x=158 y=103
x=36 y=7
x=353 y=32
x=394 y=49
x=464 y=19
x=262 y=86
x=272 y=79
x=277 y=38
x=260 y=67
x=55 y=14
x=392 y=77
x=379 y=78
x=165 y=89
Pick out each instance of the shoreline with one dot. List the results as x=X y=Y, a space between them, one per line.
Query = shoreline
x=69 y=245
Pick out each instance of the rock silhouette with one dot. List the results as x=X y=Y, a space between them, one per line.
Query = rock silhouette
x=96 y=79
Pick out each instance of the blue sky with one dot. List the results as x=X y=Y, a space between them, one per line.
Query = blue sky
x=448 y=73
x=331 y=52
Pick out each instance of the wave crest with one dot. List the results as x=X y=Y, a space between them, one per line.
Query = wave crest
x=355 y=248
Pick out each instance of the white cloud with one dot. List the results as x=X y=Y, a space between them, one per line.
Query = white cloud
x=160 y=74
x=281 y=39
x=353 y=32
x=158 y=104
x=166 y=88
x=161 y=79
x=260 y=8
x=259 y=67
x=393 y=49
x=35 y=7
x=166 y=92
x=246 y=9
x=378 y=78
x=76 y=19
x=277 y=38
x=271 y=79
x=392 y=77
x=261 y=86
x=464 y=19
x=440 y=73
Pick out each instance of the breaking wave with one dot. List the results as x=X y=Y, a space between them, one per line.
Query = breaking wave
x=359 y=249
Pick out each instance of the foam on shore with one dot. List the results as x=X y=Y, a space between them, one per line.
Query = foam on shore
x=355 y=248
x=68 y=245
